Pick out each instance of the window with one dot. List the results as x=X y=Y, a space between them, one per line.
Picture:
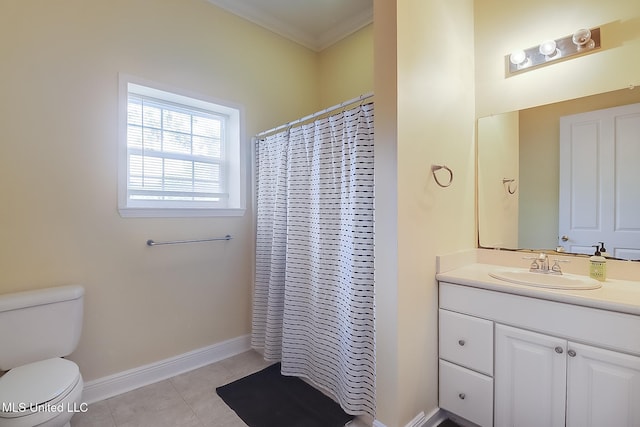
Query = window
x=179 y=155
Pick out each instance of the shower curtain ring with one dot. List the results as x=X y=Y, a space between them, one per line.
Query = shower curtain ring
x=435 y=168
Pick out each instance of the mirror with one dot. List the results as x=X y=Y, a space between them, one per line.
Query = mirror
x=519 y=175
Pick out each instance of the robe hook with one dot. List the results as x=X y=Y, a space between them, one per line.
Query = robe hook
x=510 y=186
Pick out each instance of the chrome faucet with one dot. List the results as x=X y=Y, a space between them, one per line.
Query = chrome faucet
x=543 y=263
x=540 y=264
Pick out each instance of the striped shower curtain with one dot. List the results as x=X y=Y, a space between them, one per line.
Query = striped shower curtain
x=313 y=306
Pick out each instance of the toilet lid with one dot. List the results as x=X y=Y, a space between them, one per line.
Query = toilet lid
x=37 y=383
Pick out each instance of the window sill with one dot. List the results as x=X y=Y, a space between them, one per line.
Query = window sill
x=179 y=212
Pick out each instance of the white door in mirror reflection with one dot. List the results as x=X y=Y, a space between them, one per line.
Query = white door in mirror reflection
x=600 y=181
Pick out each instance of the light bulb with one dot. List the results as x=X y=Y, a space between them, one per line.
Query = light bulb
x=518 y=57
x=548 y=48
x=582 y=39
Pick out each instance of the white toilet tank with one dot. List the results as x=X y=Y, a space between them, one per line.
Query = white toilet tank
x=38 y=325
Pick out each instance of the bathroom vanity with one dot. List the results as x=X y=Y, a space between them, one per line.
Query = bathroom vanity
x=513 y=354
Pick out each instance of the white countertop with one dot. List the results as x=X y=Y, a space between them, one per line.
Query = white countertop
x=615 y=295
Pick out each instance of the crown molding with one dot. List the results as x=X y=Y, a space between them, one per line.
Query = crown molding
x=345 y=28
x=299 y=35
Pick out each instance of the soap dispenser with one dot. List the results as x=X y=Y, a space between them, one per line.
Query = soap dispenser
x=603 y=251
x=598 y=265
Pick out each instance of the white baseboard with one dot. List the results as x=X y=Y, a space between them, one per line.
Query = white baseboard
x=434 y=418
x=421 y=420
x=417 y=421
x=119 y=383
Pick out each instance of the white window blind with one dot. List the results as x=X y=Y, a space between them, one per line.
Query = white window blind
x=175 y=153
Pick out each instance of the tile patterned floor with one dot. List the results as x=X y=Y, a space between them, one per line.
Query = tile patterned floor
x=187 y=400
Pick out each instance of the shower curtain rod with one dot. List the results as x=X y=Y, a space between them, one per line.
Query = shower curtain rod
x=314 y=115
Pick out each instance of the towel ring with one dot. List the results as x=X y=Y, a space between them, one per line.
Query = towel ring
x=508 y=186
x=435 y=168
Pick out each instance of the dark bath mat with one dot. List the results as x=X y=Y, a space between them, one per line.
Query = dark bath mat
x=270 y=399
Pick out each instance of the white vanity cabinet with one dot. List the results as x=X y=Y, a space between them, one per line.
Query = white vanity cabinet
x=552 y=364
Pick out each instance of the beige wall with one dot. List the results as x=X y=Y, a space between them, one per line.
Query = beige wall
x=434 y=122
x=58 y=153
x=346 y=68
x=504 y=26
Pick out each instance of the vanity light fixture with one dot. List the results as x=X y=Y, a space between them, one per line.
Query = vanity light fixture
x=581 y=42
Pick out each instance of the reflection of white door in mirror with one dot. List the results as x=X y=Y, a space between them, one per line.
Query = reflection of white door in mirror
x=600 y=181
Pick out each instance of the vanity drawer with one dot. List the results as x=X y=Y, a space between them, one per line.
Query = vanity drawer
x=466 y=341
x=466 y=393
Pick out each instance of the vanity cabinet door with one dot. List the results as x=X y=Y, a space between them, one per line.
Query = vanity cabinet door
x=530 y=378
x=603 y=388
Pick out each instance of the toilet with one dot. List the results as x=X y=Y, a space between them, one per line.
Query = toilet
x=37 y=329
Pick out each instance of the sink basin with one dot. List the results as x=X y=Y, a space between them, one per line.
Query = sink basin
x=541 y=280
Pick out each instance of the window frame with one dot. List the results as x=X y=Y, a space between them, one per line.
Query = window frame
x=235 y=168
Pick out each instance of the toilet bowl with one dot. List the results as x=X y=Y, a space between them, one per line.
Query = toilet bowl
x=38 y=328
x=43 y=394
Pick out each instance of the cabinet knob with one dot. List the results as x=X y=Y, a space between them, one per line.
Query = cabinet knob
x=559 y=350
x=461 y=342
x=571 y=353
x=462 y=396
